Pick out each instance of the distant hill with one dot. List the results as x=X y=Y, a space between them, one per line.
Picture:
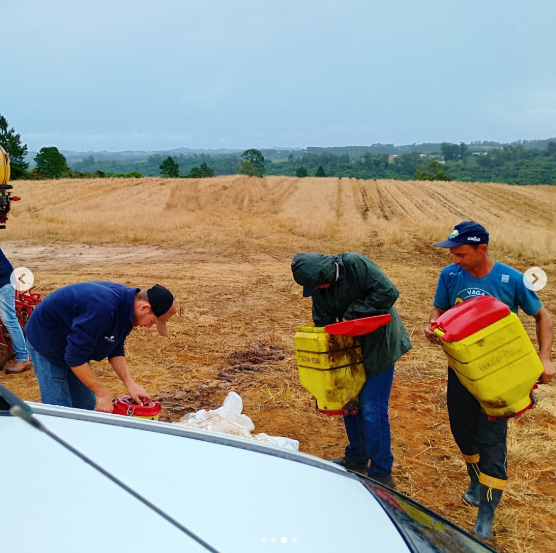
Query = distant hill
x=73 y=157
x=519 y=162
x=424 y=148
x=277 y=153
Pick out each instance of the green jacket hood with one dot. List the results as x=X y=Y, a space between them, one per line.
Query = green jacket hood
x=313 y=269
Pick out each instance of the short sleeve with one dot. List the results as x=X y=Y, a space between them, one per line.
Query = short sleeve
x=442 y=296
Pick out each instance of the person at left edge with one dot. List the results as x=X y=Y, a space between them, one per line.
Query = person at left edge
x=8 y=316
x=91 y=321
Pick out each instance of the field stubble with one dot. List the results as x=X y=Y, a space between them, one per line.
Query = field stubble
x=224 y=246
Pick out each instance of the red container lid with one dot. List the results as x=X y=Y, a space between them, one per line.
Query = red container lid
x=470 y=316
x=358 y=327
x=124 y=405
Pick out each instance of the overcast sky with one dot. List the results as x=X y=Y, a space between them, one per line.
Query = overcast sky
x=136 y=74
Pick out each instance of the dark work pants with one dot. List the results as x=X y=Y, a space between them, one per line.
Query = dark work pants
x=473 y=432
x=369 y=430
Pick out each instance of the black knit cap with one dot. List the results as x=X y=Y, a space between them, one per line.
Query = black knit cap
x=160 y=298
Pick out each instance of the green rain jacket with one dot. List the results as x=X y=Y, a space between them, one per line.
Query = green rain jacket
x=362 y=290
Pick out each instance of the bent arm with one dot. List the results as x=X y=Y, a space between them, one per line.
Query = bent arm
x=137 y=392
x=86 y=375
x=545 y=337
x=378 y=292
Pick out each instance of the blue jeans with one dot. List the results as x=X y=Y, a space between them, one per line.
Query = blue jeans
x=369 y=430
x=9 y=320
x=59 y=385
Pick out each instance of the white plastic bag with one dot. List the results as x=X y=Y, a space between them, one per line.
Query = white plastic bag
x=278 y=441
x=229 y=420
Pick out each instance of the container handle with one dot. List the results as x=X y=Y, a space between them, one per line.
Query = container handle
x=438 y=331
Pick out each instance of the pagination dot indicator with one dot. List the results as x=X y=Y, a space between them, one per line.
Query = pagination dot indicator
x=274 y=540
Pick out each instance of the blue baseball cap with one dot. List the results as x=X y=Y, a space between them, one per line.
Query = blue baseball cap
x=467 y=232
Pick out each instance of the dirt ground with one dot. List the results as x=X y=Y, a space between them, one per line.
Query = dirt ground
x=234 y=331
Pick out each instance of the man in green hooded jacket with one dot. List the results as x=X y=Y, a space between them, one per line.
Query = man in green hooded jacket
x=346 y=287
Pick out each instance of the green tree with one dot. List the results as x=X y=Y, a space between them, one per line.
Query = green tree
x=169 y=168
x=320 y=172
x=247 y=168
x=86 y=164
x=450 y=151
x=201 y=172
x=290 y=159
x=435 y=172
x=11 y=142
x=51 y=164
x=207 y=170
x=405 y=165
x=252 y=164
x=195 y=173
x=301 y=172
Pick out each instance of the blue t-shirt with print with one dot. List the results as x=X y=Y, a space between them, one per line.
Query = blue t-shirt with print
x=503 y=282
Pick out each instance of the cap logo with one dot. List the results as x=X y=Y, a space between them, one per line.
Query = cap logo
x=473 y=238
x=453 y=234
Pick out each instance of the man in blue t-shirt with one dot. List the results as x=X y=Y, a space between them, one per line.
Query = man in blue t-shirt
x=482 y=441
x=91 y=321
x=8 y=316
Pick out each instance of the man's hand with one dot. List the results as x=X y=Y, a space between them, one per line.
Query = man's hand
x=430 y=335
x=104 y=402
x=548 y=373
x=87 y=377
x=138 y=393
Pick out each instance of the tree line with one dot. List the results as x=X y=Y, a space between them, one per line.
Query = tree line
x=479 y=162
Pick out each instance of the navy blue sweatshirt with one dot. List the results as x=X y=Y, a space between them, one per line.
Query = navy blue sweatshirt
x=81 y=322
x=5 y=269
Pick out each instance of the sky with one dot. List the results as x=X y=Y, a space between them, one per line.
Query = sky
x=119 y=75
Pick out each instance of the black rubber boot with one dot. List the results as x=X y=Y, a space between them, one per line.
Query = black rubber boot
x=489 y=500
x=361 y=468
x=386 y=480
x=471 y=495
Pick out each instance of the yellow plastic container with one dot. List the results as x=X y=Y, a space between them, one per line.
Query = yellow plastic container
x=330 y=367
x=4 y=166
x=497 y=364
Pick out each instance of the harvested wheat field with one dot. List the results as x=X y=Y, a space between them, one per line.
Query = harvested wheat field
x=224 y=246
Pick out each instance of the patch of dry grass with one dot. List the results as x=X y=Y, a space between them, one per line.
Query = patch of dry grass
x=339 y=213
